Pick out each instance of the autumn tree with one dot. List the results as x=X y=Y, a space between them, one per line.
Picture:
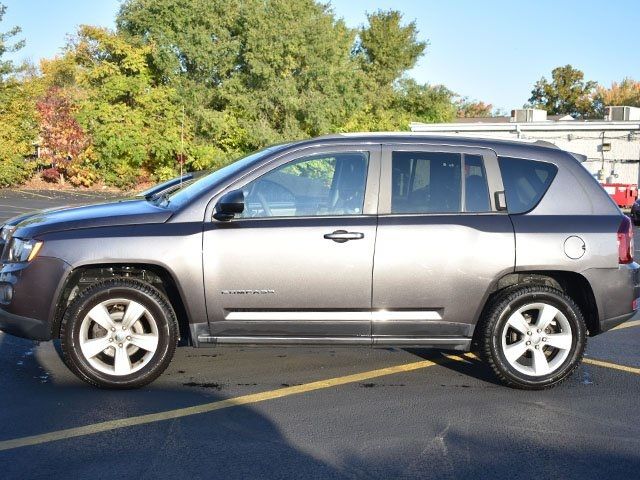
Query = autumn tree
x=63 y=139
x=467 y=108
x=568 y=93
x=626 y=93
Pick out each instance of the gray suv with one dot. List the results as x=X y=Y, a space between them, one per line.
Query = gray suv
x=510 y=249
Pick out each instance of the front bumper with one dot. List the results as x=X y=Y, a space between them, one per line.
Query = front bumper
x=35 y=287
x=24 y=327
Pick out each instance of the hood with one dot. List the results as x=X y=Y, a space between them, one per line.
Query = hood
x=125 y=212
x=13 y=221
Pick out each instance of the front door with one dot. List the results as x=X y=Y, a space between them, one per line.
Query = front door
x=298 y=262
x=441 y=243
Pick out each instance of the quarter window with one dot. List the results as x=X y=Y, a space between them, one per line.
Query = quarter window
x=323 y=185
x=525 y=182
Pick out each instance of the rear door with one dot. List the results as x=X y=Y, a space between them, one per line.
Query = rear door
x=441 y=242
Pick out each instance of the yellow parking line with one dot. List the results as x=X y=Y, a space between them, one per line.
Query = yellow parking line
x=252 y=398
x=209 y=407
x=635 y=323
x=614 y=366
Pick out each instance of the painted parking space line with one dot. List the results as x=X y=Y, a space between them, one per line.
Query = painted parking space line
x=253 y=398
x=635 y=323
x=14 y=207
x=613 y=366
x=209 y=407
x=33 y=194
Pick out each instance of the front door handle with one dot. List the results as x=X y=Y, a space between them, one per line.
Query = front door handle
x=342 y=236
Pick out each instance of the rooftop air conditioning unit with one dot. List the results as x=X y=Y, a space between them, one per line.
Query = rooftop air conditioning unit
x=524 y=115
x=621 y=114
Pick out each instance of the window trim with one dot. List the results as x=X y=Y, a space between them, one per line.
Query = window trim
x=490 y=164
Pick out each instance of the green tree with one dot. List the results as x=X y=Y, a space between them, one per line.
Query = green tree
x=6 y=66
x=567 y=93
x=18 y=124
x=387 y=48
x=253 y=72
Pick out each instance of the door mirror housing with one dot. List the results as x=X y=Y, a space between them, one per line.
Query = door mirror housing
x=501 y=201
x=229 y=205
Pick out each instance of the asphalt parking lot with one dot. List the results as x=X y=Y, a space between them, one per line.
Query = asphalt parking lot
x=316 y=412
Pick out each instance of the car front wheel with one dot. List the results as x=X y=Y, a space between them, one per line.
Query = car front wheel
x=533 y=337
x=119 y=333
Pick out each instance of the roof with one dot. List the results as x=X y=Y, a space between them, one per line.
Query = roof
x=417 y=137
x=547 y=125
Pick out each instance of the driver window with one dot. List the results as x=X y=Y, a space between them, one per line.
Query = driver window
x=328 y=184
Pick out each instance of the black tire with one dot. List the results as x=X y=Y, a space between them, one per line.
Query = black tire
x=497 y=315
x=119 y=288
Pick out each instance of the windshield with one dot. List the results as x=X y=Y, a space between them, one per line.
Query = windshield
x=185 y=195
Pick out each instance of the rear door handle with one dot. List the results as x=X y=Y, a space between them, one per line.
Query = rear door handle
x=342 y=236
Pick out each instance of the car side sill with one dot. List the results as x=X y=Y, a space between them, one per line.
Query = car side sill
x=454 y=343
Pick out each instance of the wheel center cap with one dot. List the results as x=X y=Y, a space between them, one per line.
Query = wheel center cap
x=535 y=338
x=120 y=337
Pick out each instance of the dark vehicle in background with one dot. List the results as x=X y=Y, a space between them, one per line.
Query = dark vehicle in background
x=635 y=212
x=507 y=248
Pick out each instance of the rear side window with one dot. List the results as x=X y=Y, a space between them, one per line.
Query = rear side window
x=525 y=182
x=476 y=192
x=426 y=182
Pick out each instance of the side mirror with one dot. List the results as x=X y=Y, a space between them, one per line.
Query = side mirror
x=230 y=204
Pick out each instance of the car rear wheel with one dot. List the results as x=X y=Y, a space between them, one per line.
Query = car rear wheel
x=119 y=333
x=533 y=337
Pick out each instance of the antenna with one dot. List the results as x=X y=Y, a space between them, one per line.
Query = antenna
x=181 y=161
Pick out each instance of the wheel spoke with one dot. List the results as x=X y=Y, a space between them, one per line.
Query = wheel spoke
x=540 y=363
x=546 y=316
x=132 y=314
x=514 y=351
x=518 y=322
x=93 y=347
x=100 y=315
x=122 y=363
x=148 y=341
x=562 y=341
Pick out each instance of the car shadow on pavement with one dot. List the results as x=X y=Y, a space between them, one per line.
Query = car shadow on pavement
x=238 y=442
x=471 y=366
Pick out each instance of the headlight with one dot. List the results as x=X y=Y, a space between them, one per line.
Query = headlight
x=20 y=250
x=6 y=232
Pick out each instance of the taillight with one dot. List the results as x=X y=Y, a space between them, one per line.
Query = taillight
x=625 y=241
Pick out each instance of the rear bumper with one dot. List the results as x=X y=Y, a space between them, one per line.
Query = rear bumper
x=616 y=291
x=610 y=323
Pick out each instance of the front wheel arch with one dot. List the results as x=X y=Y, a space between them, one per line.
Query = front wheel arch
x=154 y=275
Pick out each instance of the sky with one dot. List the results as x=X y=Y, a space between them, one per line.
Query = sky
x=490 y=50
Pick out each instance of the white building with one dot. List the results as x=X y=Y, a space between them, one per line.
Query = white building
x=611 y=146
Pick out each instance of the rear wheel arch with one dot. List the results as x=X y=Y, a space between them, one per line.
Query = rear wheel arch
x=573 y=284
x=81 y=277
